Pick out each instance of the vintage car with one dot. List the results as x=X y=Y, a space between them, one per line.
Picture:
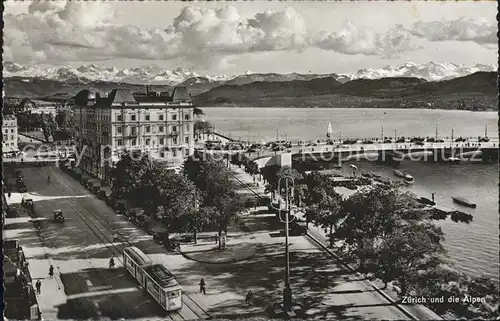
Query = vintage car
x=58 y=216
x=28 y=203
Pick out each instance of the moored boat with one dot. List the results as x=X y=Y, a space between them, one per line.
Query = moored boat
x=454 y=160
x=409 y=179
x=464 y=202
x=398 y=173
x=426 y=201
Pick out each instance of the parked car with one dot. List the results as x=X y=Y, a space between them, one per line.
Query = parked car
x=58 y=216
x=101 y=194
x=11 y=212
x=95 y=189
x=121 y=207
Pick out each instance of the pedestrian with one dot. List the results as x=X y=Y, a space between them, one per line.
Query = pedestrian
x=111 y=263
x=51 y=271
x=202 y=286
x=38 y=285
x=249 y=297
x=216 y=237
x=9 y=193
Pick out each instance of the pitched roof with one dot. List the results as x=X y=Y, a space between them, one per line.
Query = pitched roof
x=181 y=94
x=121 y=96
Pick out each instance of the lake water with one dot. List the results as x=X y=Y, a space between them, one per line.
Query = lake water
x=474 y=247
x=312 y=123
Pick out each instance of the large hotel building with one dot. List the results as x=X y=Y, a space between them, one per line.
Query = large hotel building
x=159 y=124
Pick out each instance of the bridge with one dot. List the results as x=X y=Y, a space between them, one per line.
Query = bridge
x=440 y=152
x=386 y=152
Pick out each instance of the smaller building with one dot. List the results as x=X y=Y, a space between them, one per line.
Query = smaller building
x=9 y=140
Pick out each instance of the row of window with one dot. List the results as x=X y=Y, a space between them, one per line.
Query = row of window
x=7 y=131
x=7 y=144
x=147 y=117
x=148 y=129
x=175 y=154
x=6 y=137
x=149 y=142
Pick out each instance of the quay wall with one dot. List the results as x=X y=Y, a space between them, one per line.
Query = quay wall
x=389 y=155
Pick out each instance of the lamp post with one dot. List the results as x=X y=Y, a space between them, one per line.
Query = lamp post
x=289 y=183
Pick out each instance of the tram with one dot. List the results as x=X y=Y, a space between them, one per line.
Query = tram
x=159 y=282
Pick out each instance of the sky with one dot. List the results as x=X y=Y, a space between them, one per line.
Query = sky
x=259 y=36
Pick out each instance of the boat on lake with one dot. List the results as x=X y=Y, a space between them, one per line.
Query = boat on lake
x=463 y=201
x=398 y=173
x=426 y=201
x=409 y=179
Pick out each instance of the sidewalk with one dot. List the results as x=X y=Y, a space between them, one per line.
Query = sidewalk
x=52 y=290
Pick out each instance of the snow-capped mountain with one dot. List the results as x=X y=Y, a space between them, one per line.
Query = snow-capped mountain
x=155 y=75
x=137 y=75
x=431 y=71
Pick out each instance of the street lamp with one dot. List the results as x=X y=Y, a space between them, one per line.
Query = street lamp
x=289 y=182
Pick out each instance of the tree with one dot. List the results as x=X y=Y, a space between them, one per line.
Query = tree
x=177 y=198
x=225 y=210
x=411 y=249
x=197 y=220
x=213 y=179
x=372 y=214
x=198 y=111
x=252 y=168
x=217 y=189
x=126 y=177
x=324 y=204
x=49 y=125
x=202 y=127
x=61 y=118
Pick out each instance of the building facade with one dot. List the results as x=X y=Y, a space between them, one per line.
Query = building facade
x=106 y=127
x=9 y=128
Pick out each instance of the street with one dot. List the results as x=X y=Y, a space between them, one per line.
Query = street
x=80 y=249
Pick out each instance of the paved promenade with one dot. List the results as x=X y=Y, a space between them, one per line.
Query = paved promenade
x=238 y=248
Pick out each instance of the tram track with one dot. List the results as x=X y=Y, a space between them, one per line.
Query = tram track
x=194 y=307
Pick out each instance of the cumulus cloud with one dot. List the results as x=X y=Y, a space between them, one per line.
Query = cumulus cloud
x=479 y=30
x=352 y=40
x=84 y=30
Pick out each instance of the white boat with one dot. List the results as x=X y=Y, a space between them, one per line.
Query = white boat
x=329 y=130
x=398 y=173
x=454 y=160
x=409 y=179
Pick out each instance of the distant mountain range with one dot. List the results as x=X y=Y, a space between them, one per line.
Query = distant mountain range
x=155 y=75
x=478 y=90
x=402 y=85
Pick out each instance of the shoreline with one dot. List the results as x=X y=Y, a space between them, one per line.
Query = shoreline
x=343 y=107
